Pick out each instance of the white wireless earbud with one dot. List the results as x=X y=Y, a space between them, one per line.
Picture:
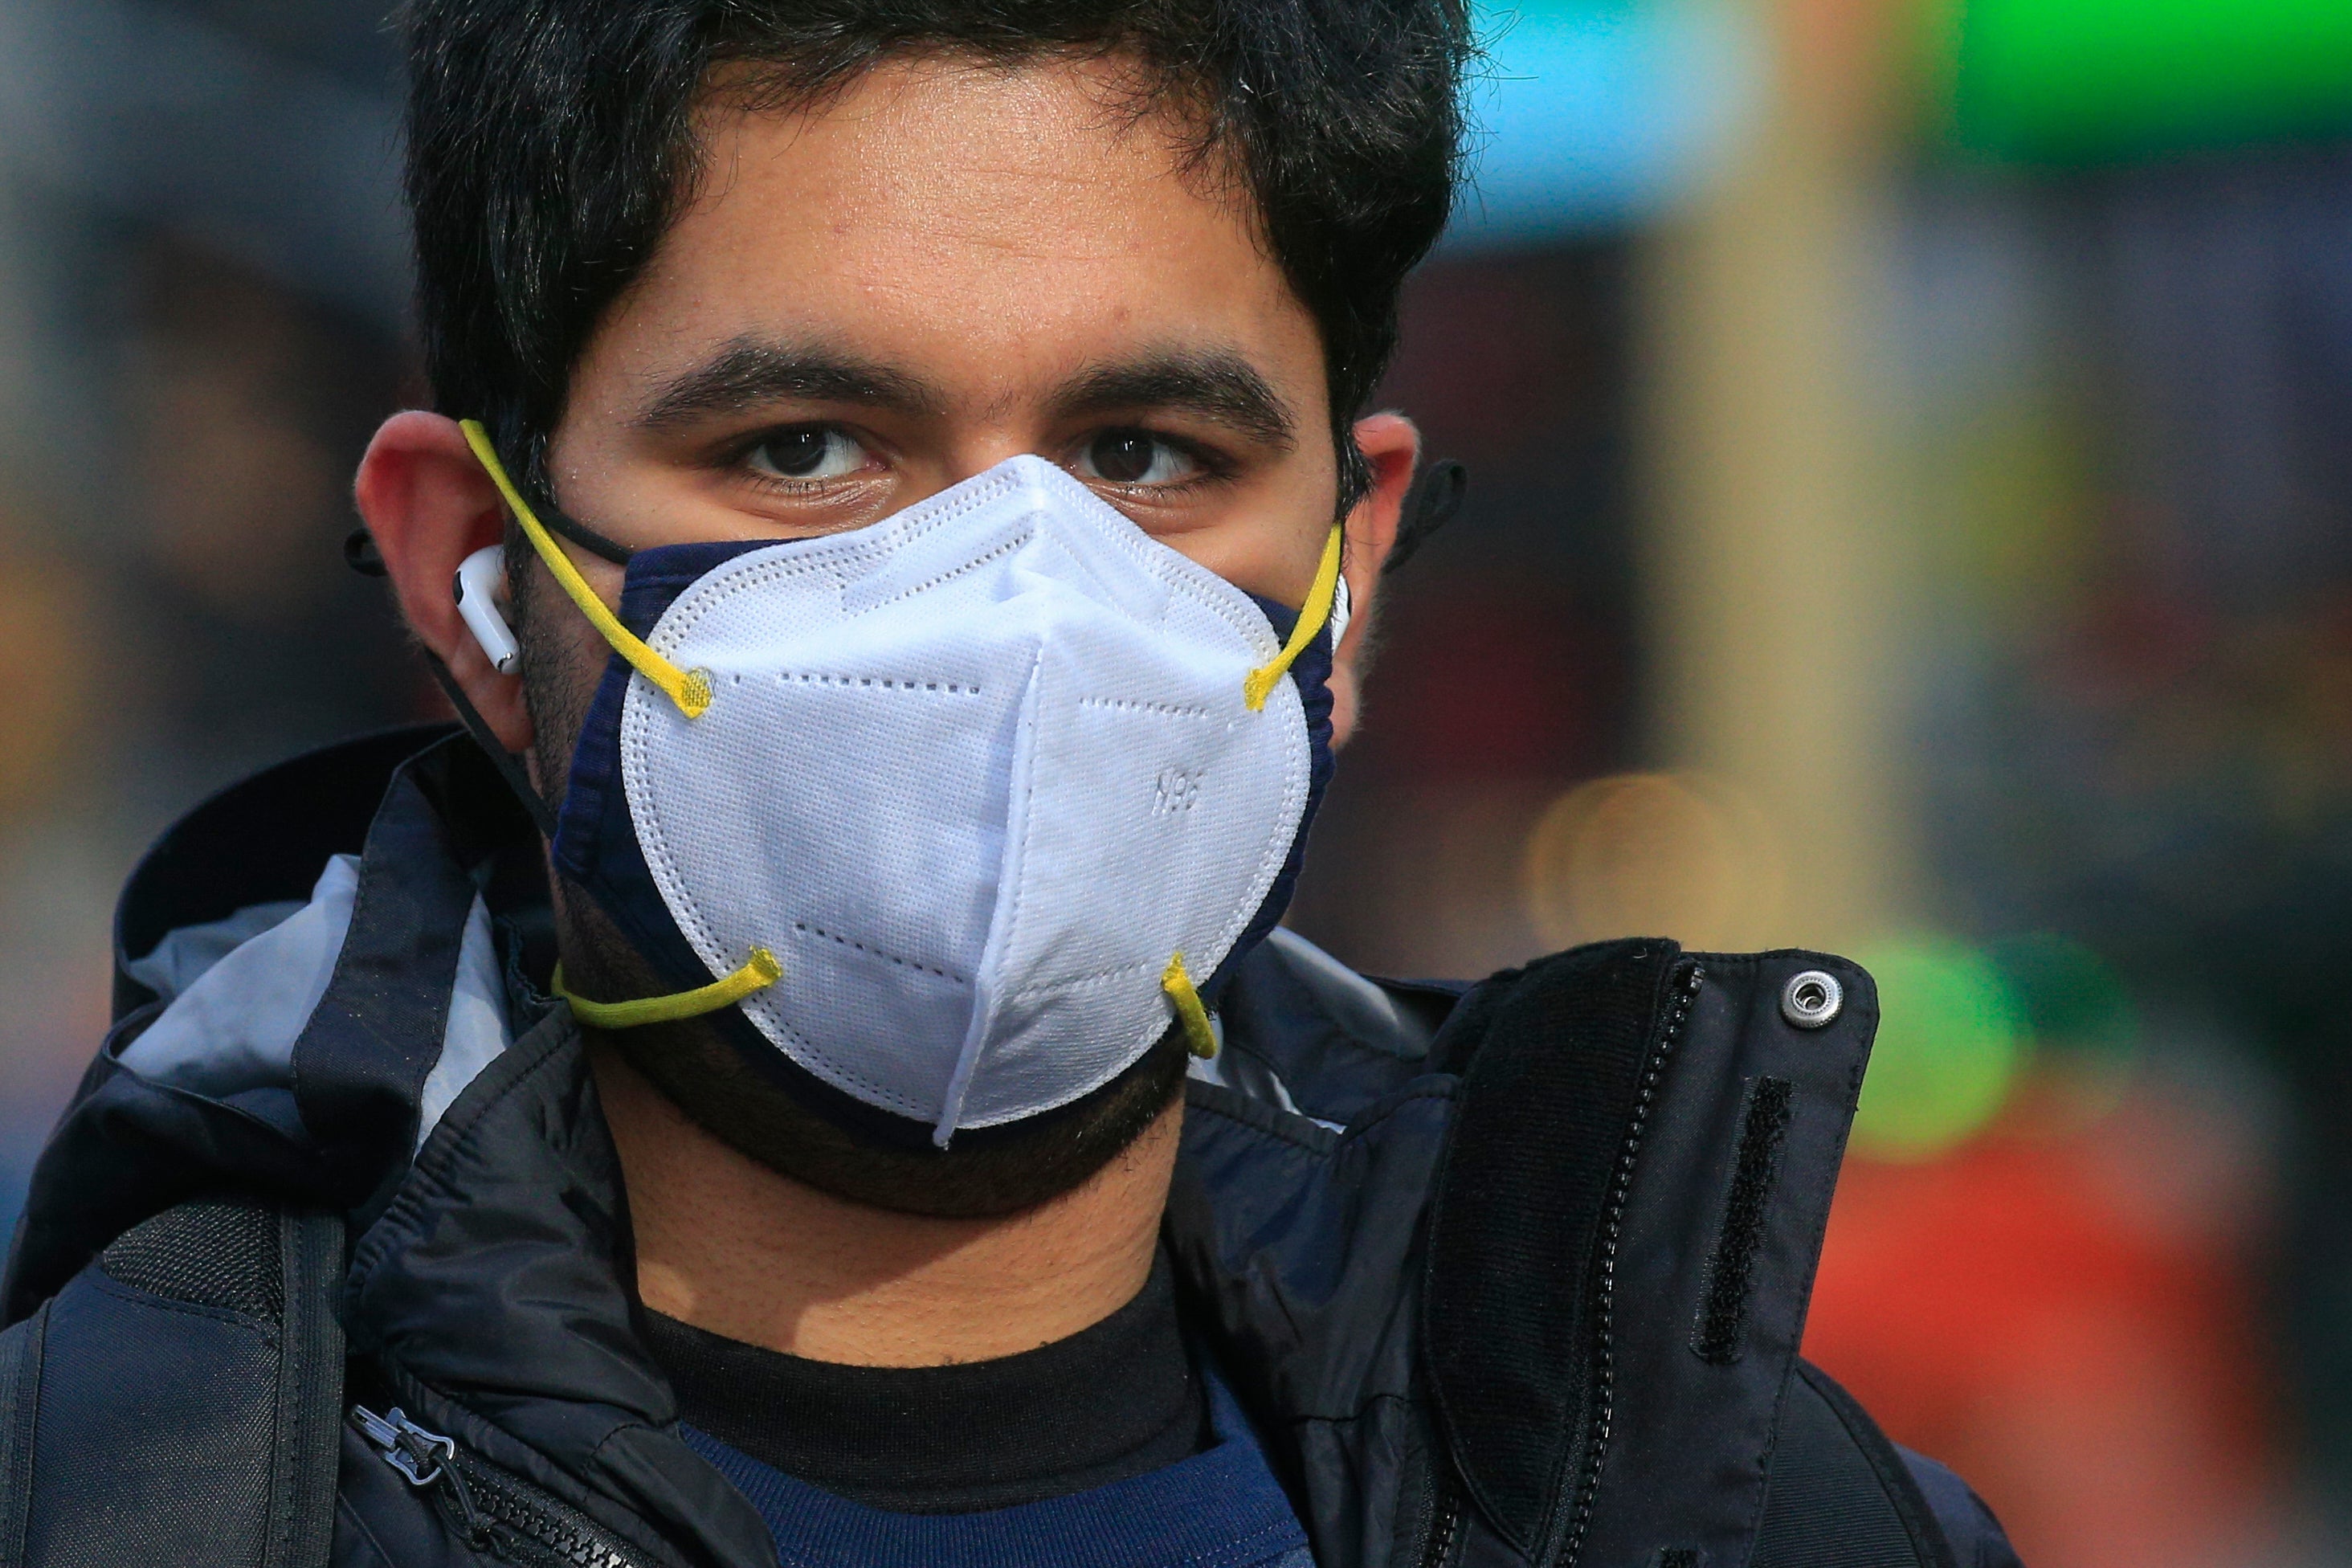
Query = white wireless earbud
x=480 y=585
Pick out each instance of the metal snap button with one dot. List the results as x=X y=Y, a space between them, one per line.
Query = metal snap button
x=1811 y=1000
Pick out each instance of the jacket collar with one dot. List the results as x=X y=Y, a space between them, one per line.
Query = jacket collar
x=1538 y=1302
x=331 y=1116
x=491 y=1293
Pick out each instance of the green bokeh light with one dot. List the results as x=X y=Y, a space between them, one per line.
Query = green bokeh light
x=2089 y=80
x=1951 y=1040
x=2072 y=1002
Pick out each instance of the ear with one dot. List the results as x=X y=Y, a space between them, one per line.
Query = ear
x=429 y=505
x=1393 y=446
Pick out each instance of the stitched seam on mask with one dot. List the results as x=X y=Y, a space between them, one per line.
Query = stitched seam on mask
x=1143 y=1041
x=850 y=547
x=633 y=743
x=1124 y=706
x=813 y=1051
x=1142 y=552
x=1171 y=569
x=1083 y=982
x=974 y=564
x=853 y=546
x=650 y=826
x=807 y=930
x=995 y=489
x=887 y=683
x=1028 y=832
x=690 y=611
x=1247 y=622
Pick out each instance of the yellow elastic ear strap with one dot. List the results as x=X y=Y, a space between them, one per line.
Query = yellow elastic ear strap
x=760 y=972
x=1311 y=616
x=690 y=689
x=1199 y=1037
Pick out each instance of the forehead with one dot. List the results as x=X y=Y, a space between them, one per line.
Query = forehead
x=992 y=226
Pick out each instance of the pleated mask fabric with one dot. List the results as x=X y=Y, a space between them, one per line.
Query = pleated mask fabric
x=973 y=775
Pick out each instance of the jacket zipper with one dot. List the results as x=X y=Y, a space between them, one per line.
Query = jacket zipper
x=1613 y=1225
x=480 y=1496
x=1445 y=1529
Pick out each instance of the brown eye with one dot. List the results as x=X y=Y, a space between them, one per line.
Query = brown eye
x=1135 y=458
x=808 y=452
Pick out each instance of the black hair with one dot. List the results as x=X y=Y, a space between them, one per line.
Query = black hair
x=551 y=145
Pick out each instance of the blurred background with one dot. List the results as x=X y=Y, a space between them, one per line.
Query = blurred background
x=1911 y=514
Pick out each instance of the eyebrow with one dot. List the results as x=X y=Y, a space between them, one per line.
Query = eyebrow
x=750 y=373
x=1215 y=384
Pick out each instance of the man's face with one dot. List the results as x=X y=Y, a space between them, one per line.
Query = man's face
x=942 y=268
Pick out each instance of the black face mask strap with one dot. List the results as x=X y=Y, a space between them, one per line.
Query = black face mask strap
x=581 y=534
x=509 y=765
x=360 y=554
x=552 y=517
x=1429 y=506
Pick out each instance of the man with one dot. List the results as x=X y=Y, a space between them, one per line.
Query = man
x=819 y=1081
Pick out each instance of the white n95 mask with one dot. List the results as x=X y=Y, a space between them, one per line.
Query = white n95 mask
x=951 y=818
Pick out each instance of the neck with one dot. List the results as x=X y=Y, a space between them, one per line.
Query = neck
x=731 y=1247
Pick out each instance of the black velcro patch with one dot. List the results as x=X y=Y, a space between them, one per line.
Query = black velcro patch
x=1722 y=1311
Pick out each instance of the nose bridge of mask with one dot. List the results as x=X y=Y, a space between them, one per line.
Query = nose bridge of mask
x=930 y=554
x=690 y=688
x=1091 y=556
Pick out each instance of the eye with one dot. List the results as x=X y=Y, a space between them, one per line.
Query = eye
x=808 y=452
x=1136 y=457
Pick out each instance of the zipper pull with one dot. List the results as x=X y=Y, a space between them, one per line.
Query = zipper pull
x=422 y=1458
x=419 y=1455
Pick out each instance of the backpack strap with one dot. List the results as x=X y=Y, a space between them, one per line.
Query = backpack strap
x=180 y=1399
x=1836 y=1479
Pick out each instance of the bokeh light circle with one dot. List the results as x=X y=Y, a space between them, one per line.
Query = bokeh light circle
x=1951 y=1040
x=1673 y=854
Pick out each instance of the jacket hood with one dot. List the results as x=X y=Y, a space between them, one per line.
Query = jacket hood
x=235 y=994
x=289 y=1016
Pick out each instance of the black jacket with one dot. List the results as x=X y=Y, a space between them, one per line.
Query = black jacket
x=1514 y=1277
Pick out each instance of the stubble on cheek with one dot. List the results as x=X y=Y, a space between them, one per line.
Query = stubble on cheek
x=563 y=663
x=561 y=669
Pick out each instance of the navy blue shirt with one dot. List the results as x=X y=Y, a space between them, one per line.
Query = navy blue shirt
x=1222 y=1508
